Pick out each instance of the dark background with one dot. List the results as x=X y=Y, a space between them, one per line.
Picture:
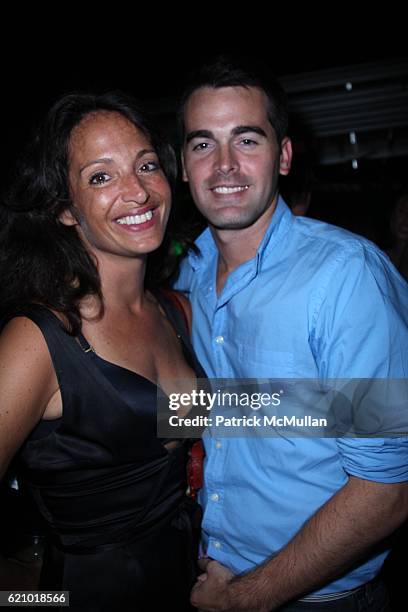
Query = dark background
x=50 y=51
x=151 y=52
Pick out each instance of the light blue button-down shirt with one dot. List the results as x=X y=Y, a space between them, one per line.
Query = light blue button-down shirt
x=315 y=302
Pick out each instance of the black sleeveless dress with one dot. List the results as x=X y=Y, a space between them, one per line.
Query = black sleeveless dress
x=112 y=494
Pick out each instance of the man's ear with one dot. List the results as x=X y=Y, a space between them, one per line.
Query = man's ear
x=285 y=161
x=68 y=218
x=183 y=167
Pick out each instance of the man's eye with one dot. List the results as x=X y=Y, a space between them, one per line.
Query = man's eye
x=248 y=141
x=150 y=166
x=201 y=146
x=99 y=178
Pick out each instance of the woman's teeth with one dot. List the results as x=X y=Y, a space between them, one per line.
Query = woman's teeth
x=135 y=219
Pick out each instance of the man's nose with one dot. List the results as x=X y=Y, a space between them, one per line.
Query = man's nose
x=227 y=161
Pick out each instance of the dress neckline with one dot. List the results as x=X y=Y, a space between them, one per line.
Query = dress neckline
x=112 y=364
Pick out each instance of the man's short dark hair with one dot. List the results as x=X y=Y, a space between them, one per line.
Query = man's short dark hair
x=231 y=71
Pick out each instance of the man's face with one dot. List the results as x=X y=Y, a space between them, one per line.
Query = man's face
x=231 y=158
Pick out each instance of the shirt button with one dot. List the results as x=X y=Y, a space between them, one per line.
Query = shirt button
x=219 y=339
x=215 y=497
x=217 y=544
x=218 y=444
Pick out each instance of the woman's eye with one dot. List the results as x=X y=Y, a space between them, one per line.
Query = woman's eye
x=99 y=178
x=150 y=166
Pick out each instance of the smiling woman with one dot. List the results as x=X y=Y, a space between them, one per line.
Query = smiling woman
x=121 y=195
x=83 y=349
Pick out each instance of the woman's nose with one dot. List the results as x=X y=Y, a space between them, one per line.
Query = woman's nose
x=135 y=191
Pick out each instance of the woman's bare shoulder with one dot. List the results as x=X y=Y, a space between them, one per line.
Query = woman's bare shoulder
x=21 y=332
x=24 y=352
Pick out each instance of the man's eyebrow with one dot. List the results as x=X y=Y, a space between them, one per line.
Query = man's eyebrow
x=236 y=131
x=198 y=134
x=242 y=129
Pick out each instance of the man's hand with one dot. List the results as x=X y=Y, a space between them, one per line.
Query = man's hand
x=341 y=532
x=210 y=592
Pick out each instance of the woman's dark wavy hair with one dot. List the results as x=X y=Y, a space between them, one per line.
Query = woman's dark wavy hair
x=41 y=259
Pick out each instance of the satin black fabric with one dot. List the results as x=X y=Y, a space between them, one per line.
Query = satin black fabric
x=123 y=531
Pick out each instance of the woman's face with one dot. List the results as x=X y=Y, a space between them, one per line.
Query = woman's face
x=120 y=194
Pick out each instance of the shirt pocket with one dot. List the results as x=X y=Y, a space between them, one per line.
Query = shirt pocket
x=260 y=362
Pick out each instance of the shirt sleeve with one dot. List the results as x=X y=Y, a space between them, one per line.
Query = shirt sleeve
x=378 y=459
x=362 y=333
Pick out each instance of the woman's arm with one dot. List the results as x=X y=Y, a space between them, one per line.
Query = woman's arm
x=27 y=383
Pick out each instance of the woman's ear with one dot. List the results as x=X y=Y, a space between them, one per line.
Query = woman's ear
x=68 y=218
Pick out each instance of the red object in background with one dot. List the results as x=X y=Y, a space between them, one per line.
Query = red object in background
x=195 y=468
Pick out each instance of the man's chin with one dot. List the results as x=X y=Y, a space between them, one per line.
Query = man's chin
x=231 y=223
x=231 y=226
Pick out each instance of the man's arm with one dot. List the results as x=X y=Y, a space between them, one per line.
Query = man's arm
x=360 y=331
x=358 y=516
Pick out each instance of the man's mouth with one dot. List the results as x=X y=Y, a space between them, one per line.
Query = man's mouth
x=228 y=189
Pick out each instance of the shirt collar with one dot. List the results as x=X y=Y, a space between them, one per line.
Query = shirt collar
x=280 y=224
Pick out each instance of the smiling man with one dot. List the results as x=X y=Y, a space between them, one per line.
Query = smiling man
x=289 y=523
